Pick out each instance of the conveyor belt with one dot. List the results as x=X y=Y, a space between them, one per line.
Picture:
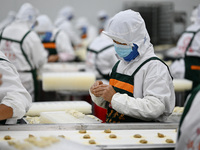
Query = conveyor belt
x=124 y=133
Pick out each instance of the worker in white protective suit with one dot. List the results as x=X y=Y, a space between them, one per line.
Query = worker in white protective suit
x=189 y=127
x=63 y=21
x=87 y=33
x=101 y=57
x=54 y=40
x=140 y=85
x=9 y=19
x=185 y=39
x=15 y=100
x=189 y=66
x=102 y=19
x=23 y=47
x=85 y=29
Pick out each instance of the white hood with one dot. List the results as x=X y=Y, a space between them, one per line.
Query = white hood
x=66 y=12
x=129 y=27
x=27 y=13
x=64 y=15
x=194 y=15
x=44 y=24
x=102 y=13
x=81 y=22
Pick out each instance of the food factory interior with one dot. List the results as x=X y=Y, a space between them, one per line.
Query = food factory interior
x=99 y=75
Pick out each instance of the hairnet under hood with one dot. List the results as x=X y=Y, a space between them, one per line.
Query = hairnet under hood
x=27 y=13
x=129 y=27
x=44 y=24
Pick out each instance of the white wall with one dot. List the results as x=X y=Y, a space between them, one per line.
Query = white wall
x=88 y=8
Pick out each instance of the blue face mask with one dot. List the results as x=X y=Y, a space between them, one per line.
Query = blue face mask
x=45 y=37
x=127 y=52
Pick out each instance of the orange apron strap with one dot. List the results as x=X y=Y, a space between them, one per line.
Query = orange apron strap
x=49 y=45
x=193 y=67
x=121 y=85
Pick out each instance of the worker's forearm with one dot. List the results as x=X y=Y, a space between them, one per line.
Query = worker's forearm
x=5 y=112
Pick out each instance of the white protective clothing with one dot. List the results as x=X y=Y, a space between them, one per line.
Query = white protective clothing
x=66 y=12
x=177 y=69
x=102 y=13
x=190 y=128
x=63 y=22
x=87 y=33
x=91 y=30
x=31 y=45
x=184 y=40
x=194 y=15
x=179 y=51
x=104 y=60
x=27 y=13
x=63 y=44
x=10 y=18
x=44 y=24
x=12 y=93
x=152 y=100
x=103 y=19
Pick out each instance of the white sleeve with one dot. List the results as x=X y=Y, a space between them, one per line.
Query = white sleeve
x=38 y=53
x=143 y=108
x=12 y=92
x=64 y=47
x=177 y=69
x=98 y=100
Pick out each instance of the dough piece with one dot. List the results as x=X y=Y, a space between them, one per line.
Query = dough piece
x=43 y=141
x=20 y=145
x=137 y=136
x=62 y=136
x=107 y=131
x=87 y=136
x=169 y=141
x=92 y=142
x=30 y=136
x=112 y=136
x=143 y=141
x=160 y=135
x=82 y=131
x=7 y=137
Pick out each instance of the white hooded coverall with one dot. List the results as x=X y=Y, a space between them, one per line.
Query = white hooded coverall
x=59 y=38
x=191 y=48
x=23 y=46
x=12 y=93
x=153 y=93
x=63 y=22
x=189 y=127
